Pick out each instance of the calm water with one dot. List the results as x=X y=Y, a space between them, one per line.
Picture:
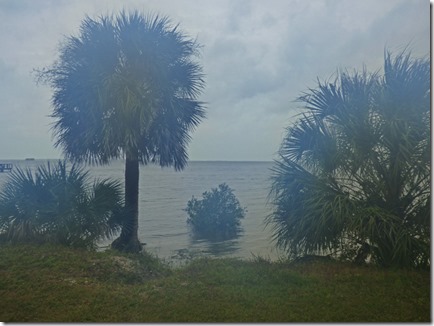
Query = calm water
x=164 y=194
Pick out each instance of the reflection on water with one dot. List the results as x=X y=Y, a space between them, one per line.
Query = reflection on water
x=219 y=246
x=164 y=194
x=207 y=248
x=222 y=248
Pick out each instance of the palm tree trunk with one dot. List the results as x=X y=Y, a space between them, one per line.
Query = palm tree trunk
x=128 y=240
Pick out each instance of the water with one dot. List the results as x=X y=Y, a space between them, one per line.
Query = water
x=164 y=193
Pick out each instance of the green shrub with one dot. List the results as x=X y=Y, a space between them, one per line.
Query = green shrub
x=353 y=177
x=58 y=206
x=217 y=215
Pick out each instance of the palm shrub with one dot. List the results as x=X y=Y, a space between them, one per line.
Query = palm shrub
x=217 y=215
x=353 y=176
x=58 y=205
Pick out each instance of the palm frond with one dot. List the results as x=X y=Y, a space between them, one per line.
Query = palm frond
x=354 y=170
x=116 y=81
x=57 y=204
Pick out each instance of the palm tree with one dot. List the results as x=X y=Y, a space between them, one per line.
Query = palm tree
x=127 y=87
x=354 y=171
x=59 y=205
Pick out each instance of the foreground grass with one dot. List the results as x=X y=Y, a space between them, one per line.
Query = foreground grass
x=54 y=284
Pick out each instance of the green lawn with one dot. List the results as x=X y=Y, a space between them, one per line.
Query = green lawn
x=54 y=284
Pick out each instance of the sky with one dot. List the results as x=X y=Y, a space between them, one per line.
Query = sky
x=258 y=56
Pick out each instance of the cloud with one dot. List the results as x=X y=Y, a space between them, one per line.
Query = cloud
x=24 y=110
x=257 y=56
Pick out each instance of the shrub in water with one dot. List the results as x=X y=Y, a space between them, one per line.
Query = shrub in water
x=58 y=206
x=217 y=214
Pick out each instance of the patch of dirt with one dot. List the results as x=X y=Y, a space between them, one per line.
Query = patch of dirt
x=125 y=263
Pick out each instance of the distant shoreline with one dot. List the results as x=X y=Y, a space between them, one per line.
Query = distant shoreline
x=191 y=161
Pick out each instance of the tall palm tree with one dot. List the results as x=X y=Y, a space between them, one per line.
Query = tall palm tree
x=127 y=87
x=354 y=170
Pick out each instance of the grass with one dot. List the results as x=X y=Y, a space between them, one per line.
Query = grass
x=55 y=284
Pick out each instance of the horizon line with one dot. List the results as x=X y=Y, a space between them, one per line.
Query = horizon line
x=121 y=159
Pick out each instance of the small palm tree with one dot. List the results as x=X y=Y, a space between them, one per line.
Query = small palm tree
x=354 y=170
x=126 y=87
x=58 y=205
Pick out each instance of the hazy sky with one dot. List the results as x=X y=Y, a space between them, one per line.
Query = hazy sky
x=258 y=56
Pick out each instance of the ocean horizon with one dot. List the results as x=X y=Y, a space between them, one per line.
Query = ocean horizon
x=163 y=196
